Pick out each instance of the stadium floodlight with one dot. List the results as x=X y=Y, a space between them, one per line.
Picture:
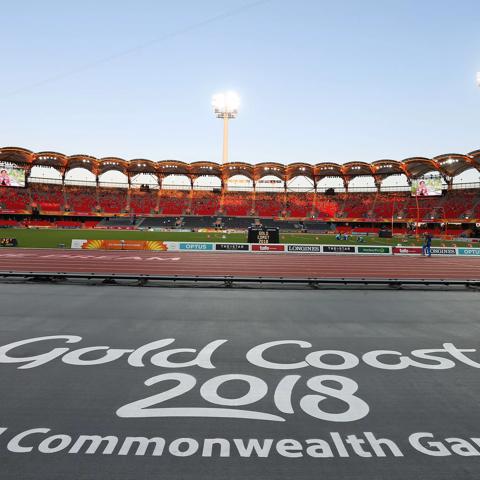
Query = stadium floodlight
x=225 y=105
x=478 y=79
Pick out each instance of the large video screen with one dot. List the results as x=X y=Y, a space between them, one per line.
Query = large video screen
x=427 y=187
x=11 y=175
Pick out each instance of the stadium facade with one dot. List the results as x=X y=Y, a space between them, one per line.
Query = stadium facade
x=447 y=166
x=62 y=203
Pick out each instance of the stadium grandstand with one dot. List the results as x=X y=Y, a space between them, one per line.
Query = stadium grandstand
x=63 y=202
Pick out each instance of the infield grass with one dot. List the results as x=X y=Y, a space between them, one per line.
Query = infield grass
x=51 y=238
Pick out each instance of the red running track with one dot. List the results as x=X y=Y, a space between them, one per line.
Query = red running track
x=239 y=264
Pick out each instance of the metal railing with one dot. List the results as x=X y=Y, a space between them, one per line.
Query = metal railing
x=230 y=281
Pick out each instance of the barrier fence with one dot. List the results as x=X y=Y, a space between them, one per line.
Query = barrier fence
x=268 y=248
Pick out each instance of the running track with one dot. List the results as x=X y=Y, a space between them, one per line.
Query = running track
x=239 y=264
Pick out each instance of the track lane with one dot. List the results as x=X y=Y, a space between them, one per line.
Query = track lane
x=239 y=264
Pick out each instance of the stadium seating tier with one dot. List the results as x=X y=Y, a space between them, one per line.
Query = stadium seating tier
x=53 y=199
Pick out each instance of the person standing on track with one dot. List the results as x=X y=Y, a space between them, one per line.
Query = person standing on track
x=427 y=244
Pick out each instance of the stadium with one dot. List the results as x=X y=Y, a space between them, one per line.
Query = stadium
x=282 y=284
x=209 y=212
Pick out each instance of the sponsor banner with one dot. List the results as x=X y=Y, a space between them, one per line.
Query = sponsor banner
x=469 y=251
x=115 y=228
x=6 y=210
x=232 y=246
x=443 y=251
x=268 y=247
x=270 y=182
x=304 y=248
x=77 y=243
x=338 y=249
x=123 y=244
x=120 y=245
x=172 y=246
x=374 y=250
x=407 y=250
x=248 y=182
x=240 y=181
x=196 y=246
x=8 y=242
x=154 y=229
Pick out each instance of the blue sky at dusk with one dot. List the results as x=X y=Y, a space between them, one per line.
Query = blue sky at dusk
x=319 y=80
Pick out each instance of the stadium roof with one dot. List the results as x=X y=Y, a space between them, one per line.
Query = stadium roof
x=447 y=165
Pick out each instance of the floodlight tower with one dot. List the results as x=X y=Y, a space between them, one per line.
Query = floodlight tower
x=225 y=105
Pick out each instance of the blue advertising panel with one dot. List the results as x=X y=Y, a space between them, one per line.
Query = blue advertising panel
x=196 y=246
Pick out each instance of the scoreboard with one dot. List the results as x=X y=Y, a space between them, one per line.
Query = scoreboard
x=263 y=235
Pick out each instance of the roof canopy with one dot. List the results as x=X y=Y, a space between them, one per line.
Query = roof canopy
x=447 y=165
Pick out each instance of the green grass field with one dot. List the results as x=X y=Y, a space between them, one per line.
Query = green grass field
x=49 y=238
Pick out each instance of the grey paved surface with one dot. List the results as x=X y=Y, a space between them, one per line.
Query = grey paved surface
x=74 y=400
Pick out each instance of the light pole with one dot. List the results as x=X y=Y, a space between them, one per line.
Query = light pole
x=225 y=105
